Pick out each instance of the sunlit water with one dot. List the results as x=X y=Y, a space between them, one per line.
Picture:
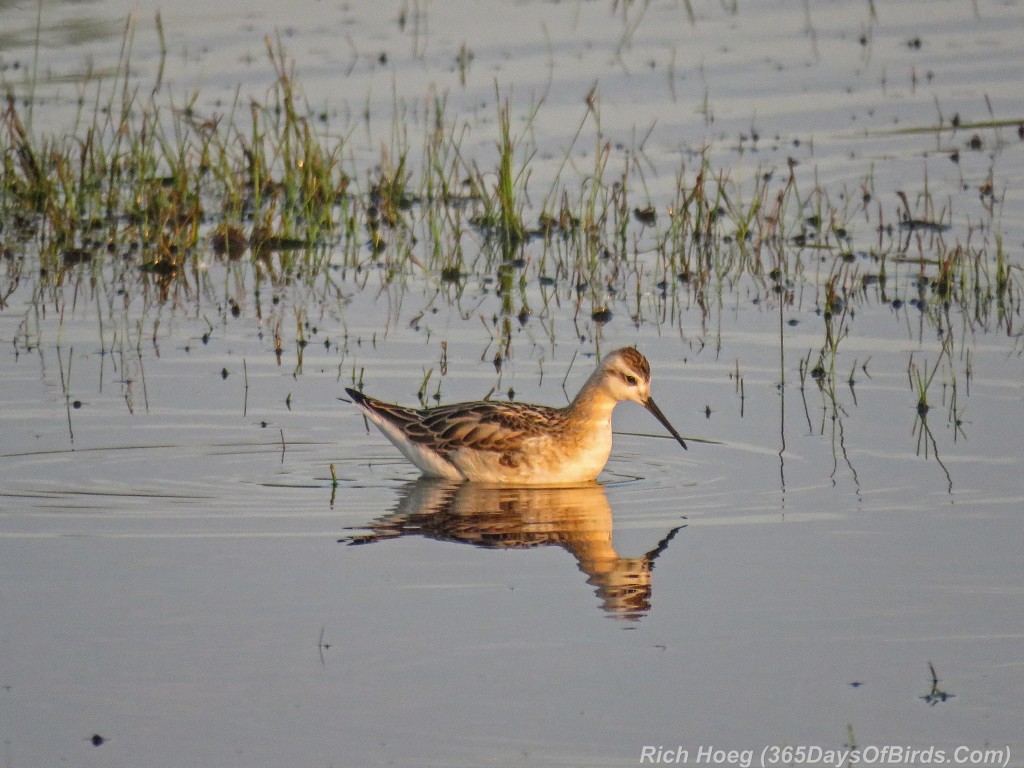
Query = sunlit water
x=181 y=576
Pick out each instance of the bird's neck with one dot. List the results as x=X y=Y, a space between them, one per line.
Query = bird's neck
x=593 y=403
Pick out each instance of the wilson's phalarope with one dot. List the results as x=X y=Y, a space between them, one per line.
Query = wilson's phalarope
x=497 y=442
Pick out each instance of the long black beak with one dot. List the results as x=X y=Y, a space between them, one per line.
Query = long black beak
x=651 y=406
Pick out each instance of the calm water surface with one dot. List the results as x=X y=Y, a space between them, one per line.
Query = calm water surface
x=180 y=576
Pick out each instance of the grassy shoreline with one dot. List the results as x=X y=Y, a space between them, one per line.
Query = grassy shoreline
x=153 y=192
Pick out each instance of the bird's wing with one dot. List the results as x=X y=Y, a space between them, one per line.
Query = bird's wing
x=480 y=426
x=483 y=426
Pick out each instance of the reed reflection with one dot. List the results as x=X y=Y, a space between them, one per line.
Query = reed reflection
x=578 y=519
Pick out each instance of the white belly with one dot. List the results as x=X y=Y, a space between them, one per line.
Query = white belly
x=542 y=461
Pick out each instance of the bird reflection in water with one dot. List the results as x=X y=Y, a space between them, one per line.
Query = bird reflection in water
x=577 y=518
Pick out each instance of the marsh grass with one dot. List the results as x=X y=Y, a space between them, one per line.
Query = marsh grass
x=146 y=192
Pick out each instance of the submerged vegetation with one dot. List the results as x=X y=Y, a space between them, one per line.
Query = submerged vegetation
x=146 y=193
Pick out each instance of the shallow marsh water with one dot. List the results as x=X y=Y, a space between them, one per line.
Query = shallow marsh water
x=180 y=576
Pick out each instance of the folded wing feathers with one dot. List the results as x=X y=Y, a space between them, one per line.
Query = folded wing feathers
x=484 y=426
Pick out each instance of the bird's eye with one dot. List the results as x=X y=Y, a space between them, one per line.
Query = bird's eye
x=631 y=380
